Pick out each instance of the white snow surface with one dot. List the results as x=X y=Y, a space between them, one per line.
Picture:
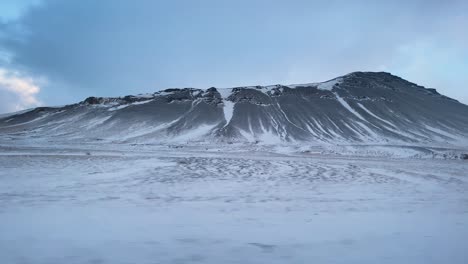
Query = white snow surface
x=224 y=92
x=238 y=203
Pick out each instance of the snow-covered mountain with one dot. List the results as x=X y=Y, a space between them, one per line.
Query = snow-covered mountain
x=361 y=107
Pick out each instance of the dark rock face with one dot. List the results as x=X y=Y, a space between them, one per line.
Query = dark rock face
x=464 y=156
x=92 y=100
x=358 y=107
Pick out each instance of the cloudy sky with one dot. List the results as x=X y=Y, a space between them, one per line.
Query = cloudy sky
x=54 y=52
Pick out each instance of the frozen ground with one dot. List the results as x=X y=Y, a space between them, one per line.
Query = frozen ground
x=165 y=204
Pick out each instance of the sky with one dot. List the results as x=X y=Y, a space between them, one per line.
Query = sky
x=55 y=52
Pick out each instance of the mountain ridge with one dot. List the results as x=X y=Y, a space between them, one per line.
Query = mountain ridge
x=356 y=74
x=360 y=107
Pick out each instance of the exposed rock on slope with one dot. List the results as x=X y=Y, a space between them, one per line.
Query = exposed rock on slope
x=359 y=107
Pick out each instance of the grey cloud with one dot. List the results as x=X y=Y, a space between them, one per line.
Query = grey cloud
x=120 y=47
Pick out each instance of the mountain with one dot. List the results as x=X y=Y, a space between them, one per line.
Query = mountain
x=360 y=107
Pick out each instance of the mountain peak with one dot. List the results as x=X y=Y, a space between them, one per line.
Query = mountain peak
x=366 y=107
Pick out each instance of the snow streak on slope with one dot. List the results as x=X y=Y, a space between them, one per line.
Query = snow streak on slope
x=224 y=92
x=372 y=114
x=348 y=107
x=228 y=111
x=356 y=108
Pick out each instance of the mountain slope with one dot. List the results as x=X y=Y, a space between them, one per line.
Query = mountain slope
x=361 y=107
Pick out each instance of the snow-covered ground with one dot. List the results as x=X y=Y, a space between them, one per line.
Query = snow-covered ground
x=230 y=204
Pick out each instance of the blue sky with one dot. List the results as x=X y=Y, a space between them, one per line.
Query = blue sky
x=54 y=52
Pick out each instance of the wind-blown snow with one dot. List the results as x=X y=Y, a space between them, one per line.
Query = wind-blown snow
x=196 y=134
x=247 y=135
x=127 y=105
x=328 y=86
x=268 y=137
x=30 y=121
x=97 y=121
x=140 y=130
x=15 y=113
x=302 y=85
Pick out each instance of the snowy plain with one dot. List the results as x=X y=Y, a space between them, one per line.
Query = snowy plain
x=128 y=203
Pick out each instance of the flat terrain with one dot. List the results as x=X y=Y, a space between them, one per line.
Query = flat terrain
x=163 y=204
